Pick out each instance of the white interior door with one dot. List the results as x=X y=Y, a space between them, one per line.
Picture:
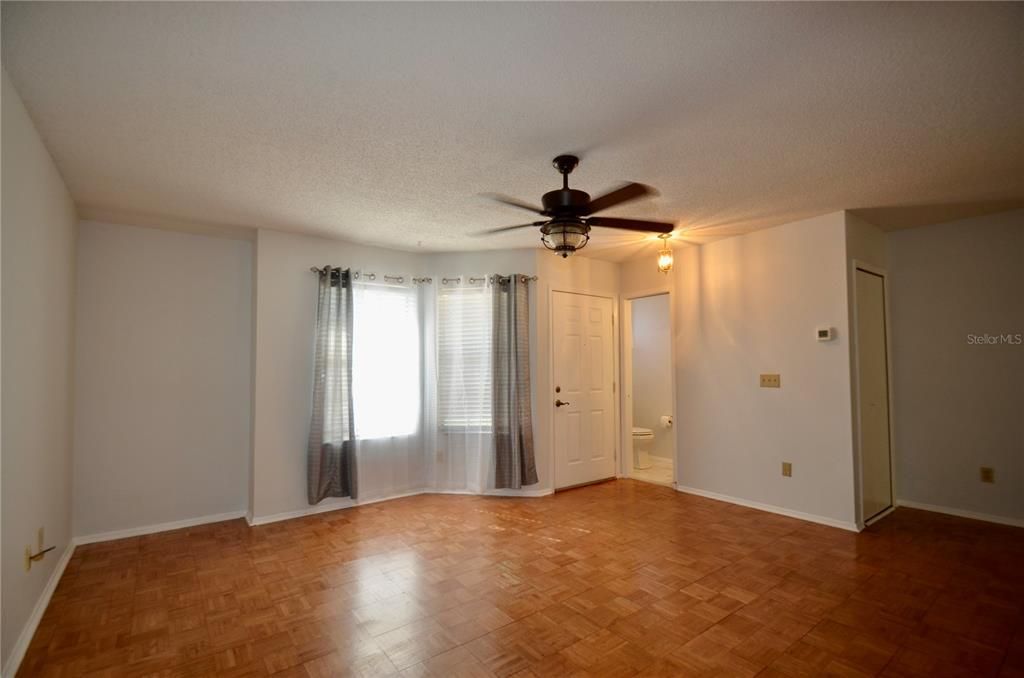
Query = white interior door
x=584 y=367
x=873 y=395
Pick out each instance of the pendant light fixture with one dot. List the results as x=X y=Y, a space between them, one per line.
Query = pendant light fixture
x=665 y=255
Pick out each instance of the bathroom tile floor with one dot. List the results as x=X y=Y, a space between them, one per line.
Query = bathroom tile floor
x=617 y=579
x=659 y=472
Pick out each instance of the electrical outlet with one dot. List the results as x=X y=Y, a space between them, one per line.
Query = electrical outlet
x=988 y=474
x=771 y=381
x=787 y=469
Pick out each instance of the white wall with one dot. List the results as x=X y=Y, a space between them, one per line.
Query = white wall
x=957 y=405
x=497 y=261
x=283 y=375
x=454 y=461
x=865 y=244
x=285 y=316
x=38 y=283
x=162 y=383
x=748 y=305
x=652 y=369
x=574 y=274
x=640 y=274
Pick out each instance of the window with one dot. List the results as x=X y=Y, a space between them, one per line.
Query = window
x=385 y=361
x=464 y=357
x=335 y=344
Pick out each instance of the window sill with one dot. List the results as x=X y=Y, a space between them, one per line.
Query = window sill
x=386 y=436
x=465 y=429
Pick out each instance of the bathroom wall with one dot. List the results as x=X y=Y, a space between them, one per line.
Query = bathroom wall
x=652 y=369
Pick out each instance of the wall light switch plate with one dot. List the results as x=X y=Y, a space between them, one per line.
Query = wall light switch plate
x=771 y=381
x=988 y=474
x=787 y=469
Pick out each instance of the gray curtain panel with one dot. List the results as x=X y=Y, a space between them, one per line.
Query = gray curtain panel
x=331 y=457
x=514 y=464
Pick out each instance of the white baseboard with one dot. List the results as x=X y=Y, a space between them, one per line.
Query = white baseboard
x=300 y=513
x=493 y=493
x=799 y=515
x=324 y=508
x=497 y=493
x=313 y=510
x=377 y=500
x=960 y=513
x=878 y=516
x=29 y=630
x=159 y=527
x=518 y=493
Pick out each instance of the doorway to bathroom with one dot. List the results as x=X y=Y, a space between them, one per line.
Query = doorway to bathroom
x=649 y=439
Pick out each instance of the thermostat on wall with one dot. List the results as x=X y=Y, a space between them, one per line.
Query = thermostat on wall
x=826 y=334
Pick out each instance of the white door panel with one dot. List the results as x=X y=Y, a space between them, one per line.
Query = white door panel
x=583 y=370
x=873 y=395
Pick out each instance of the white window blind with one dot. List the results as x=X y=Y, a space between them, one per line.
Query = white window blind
x=336 y=350
x=385 y=361
x=464 y=357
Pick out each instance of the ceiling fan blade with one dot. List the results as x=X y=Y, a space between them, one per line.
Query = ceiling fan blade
x=514 y=202
x=632 y=224
x=502 y=229
x=622 y=194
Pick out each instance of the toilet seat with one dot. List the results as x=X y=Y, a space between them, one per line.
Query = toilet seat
x=640 y=433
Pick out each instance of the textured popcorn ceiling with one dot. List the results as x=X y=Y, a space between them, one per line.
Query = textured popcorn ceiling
x=382 y=123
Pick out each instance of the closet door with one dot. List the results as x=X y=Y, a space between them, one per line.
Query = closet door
x=873 y=395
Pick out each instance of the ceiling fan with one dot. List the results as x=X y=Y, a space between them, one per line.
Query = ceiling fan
x=570 y=212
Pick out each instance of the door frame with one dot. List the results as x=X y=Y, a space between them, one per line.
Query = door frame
x=883 y=273
x=616 y=412
x=626 y=392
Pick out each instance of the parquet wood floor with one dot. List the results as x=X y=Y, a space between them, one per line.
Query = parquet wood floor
x=616 y=579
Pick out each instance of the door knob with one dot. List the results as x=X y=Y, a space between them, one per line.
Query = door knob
x=559 y=403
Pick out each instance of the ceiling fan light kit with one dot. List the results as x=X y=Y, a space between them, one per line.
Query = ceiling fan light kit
x=569 y=212
x=564 y=238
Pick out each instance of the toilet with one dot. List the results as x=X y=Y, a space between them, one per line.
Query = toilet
x=643 y=438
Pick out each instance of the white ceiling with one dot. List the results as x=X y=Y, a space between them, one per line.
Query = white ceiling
x=382 y=123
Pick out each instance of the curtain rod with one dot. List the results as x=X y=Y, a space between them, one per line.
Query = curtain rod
x=531 y=278
x=458 y=279
x=400 y=279
x=373 y=276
